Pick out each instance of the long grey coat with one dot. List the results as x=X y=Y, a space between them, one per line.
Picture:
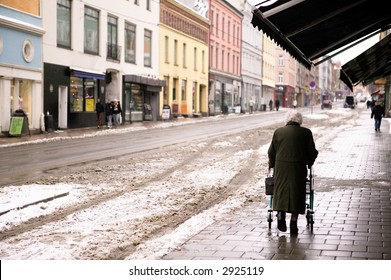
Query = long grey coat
x=291 y=152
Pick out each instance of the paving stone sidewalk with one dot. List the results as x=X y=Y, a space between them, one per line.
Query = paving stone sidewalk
x=352 y=210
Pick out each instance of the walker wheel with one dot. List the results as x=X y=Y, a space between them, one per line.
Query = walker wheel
x=310 y=219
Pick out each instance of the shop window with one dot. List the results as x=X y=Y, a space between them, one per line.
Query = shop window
x=165 y=91
x=137 y=97
x=21 y=96
x=174 y=89
x=183 y=90
x=84 y=93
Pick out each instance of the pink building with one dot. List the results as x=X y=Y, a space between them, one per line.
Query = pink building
x=224 y=57
x=285 y=78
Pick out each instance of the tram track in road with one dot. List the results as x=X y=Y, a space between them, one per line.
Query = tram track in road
x=181 y=163
x=29 y=162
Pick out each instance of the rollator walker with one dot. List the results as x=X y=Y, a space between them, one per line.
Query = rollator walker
x=269 y=186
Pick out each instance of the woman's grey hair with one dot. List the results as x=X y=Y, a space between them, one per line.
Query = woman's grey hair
x=294 y=116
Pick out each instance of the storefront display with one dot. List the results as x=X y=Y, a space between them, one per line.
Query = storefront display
x=84 y=92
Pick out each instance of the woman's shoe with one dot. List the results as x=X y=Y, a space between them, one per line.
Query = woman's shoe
x=281 y=223
x=293 y=228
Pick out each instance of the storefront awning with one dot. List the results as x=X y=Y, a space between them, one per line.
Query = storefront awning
x=369 y=66
x=310 y=29
x=144 y=80
x=82 y=73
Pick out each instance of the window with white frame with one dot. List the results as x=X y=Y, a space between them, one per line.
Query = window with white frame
x=280 y=78
x=203 y=61
x=64 y=23
x=280 y=60
x=195 y=59
x=184 y=55
x=130 y=42
x=112 y=42
x=166 y=48
x=147 y=48
x=91 y=30
x=217 y=57
x=175 y=52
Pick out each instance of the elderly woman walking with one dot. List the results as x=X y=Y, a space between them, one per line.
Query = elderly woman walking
x=291 y=152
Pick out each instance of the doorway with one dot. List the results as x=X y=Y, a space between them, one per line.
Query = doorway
x=62 y=107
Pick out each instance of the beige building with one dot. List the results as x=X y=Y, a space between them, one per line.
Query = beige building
x=184 y=35
x=268 y=73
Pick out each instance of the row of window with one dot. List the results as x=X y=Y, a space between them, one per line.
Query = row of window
x=91 y=34
x=179 y=23
x=167 y=49
x=225 y=61
x=221 y=59
x=218 y=28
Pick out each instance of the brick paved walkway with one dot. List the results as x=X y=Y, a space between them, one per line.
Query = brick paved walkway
x=352 y=210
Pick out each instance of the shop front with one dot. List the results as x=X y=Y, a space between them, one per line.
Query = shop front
x=141 y=98
x=70 y=95
x=86 y=88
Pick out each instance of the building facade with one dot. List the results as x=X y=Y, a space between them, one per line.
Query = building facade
x=21 y=62
x=96 y=50
x=268 y=72
x=252 y=57
x=225 y=57
x=184 y=53
x=285 y=78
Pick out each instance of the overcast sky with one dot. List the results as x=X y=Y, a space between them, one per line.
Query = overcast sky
x=355 y=51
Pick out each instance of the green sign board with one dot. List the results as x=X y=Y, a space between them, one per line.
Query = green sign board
x=16 y=126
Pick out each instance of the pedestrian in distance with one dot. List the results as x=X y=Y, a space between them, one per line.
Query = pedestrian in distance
x=116 y=113
x=271 y=105
x=109 y=117
x=373 y=103
x=99 y=109
x=377 y=113
x=369 y=104
x=291 y=153
x=277 y=104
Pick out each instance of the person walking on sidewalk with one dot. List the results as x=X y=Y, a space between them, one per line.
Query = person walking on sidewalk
x=277 y=104
x=109 y=117
x=377 y=113
x=291 y=152
x=271 y=105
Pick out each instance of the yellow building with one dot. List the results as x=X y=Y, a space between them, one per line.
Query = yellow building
x=268 y=74
x=184 y=36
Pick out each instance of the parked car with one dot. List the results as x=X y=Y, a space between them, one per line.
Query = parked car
x=326 y=104
x=350 y=102
x=326 y=101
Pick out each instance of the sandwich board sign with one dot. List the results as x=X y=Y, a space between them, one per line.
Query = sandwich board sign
x=18 y=126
